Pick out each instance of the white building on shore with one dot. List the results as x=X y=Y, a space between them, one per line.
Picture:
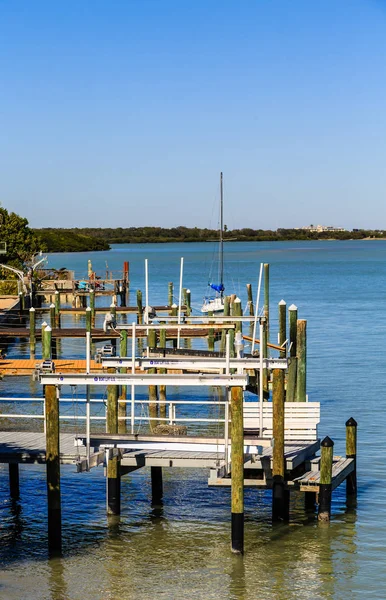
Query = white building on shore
x=322 y=228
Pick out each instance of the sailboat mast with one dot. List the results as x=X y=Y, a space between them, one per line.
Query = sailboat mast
x=221 y=236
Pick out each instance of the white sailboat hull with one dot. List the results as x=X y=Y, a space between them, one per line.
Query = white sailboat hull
x=214 y=305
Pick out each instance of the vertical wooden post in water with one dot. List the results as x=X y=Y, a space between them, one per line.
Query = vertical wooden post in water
x=237 y=470
x=210 y=334
x=162 y=388
x=52 y=315
x=224 y=331
x=139 y=307
x=46 y=342
x=250 y=299
x=53 y=469
x=351 y=452
x=122 y=406
x=57 y=309
x=301 y=375
x=266 y=298
x=92 y=306
x=325 y=487
x=32 y=332
x=237 y=312
x=153 y=412
x=292 y=369
x=113 y=464
x=88 y=319
x=280 y=496
x=14 y=489
x=188 y=303
x=174 y=313
x=282 y=327
x=170 y=293
x=156 y=485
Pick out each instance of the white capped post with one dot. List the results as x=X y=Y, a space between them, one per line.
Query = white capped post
x=257 y=308
x=261 y=377
x=180 y=301
x=133 y=342
x=146 y=290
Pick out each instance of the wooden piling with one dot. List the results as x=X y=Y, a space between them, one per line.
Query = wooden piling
x=188 y=303
x=162 y=388
x=301 y=374
x=92 y=306
x=113 y=464
x=122 y=406
x=46 y=343
x=52 y=315
x=156 y=485
x=351 y=452
x=237 y=312
x=170 y=293
x=282 y=327
x=53 y=469
x=14 y=488
x=88 y=319
x=174 y=313
x=139 y=307
x=250 y=299
x=32 y=332
x=153 y=400
x=237 y=471
x=210 y=334
x=224 y=333
x=325 y=487
x=280 y=496
x=292 y=368
x=57 y=309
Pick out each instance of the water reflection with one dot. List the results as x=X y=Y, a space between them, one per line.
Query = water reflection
x=57 y=579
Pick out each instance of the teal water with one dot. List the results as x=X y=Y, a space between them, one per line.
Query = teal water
x=182 y=549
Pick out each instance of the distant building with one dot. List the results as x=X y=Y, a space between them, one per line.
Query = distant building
x=322 y=228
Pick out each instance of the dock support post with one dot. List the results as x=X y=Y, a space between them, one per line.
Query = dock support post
x=53 y=469
x=351 y=452
x=113 y=476
x=92 y=307
x=280 y=496
x=266 y=298
x=282 y=327
x=52 y=315
x=174 y=313
x=224 y=331
x=210 y=334
x=162 y=388
x=292 y=368
x=139 y=307
x=152 y=343
x=325 y=487
x=237 y=470
x=57 y=309
x=88 y=319
x=237 y=312
x=170 y=293
x=46 y=342
x=122 y=406
x=301 y=375
x=14 y=489
x=188 y=303
x=32 y=332
x=156 y=485
x=250 y=299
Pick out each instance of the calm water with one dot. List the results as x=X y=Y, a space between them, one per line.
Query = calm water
x=182 y=549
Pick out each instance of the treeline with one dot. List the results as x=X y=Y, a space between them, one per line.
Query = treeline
x=78 y=239
x=69 y=240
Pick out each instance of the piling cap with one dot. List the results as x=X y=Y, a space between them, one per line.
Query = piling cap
x=92 y=291
x=351 y=422
x=32 y=309
x=282 y=303
x=52 y=305
x=47 y=329
x=44 y=324
x=293 y=307
x=188 y=291
x=112 y=305
x=56 y=291
x=174 y=305
x=237 y=299
x=88 y=308
x=327 y=442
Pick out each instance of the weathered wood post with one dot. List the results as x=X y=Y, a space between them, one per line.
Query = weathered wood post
x=237 y=312
x=224 y=331
x=237 y=471
x=153 y=405
x=210 y=334
x=113 y=464
x=52 y=315
x=266 y=298
x=126 y=280
x=301 y=375
x=250 y=299
x=170 y=293
x=122 y=406
x=92 y=307
x=14 y=489
x=139 y=307
x=188 y=303
x=292 y=368
x=46 y=342
x=53 y=469
x=88 y=319
x=280 y=496
x=162 y=388
x=113 y=312
x=43 y=326
x=32 y=332
x=156 y=485
x=282 y=327
x=57 y=309
x=325 y=487
x=351 y=452
x=174 y=313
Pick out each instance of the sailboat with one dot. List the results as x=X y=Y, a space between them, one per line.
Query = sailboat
x=215 y=303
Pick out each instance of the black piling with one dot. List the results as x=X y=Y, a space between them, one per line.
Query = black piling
x=351 y=452
x=325 y=487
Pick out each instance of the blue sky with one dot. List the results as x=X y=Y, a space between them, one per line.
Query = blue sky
x=123 y=113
